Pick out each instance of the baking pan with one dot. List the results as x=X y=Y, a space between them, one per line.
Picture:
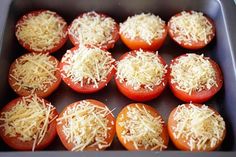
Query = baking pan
x=222 y=49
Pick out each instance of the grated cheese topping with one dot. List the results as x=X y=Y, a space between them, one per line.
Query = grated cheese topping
x=85 y=125
x=145 y=26
x=191 y=27
x=41 y=32
x=193 y=73
x=87 y=65
x=28 y=120
x=142 y=128
x=142 y=70
x=93 y=29
x=34 y=72
x=200 y=126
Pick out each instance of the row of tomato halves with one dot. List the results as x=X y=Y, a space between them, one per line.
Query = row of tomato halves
x=143 y=77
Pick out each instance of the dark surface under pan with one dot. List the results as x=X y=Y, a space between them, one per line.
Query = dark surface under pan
x=222 y=49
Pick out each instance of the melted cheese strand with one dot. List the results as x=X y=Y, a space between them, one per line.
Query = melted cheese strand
x=199 y=125
x=34 y=72
x=87 y=65
x=142 y=70
x=92 y=28
x=41 y=32
x=28 y=120
x=191 y=27
x=143 y=129
x=145 y=26
x=85 y=125
x=193 y=73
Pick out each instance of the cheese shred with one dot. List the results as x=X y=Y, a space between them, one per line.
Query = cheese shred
x=200 y=126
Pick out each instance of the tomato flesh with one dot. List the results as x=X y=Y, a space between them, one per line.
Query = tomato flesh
x=122 y=117
x=56 y=46
x=182 y=143
x=110 y=132
x=16 y=143
x=84 y=88
x=141 y=94
x=197 y=96
x=106 y=46
x=50 y=88
x=191 y=45
x=138 y=43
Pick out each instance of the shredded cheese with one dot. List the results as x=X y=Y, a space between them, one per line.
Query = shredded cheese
x=142 y=70
x=42 y=31
x=191 y=27
x=34 y=72
x=93 y=29
x=200 y=126
x=142 y=128
x=145 y=26
x=86 y=125
x=193 y=73
x=87 y=65
x=28 y=119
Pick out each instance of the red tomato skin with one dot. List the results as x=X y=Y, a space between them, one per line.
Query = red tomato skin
x=138 y=43
x=194 y=45
x=86 y=89
x=17 y=144
x=201 y=96
x=106 y=46
x=142 y=94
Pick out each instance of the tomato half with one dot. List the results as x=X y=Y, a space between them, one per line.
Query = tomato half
x=122 y=117
x=84 y=88
x=49 y=48
x=191 y=44
x=139 y=43
x=142 y=94
x=15 y=142
x=182 y=143
x=105 y=46
x=49 y=89
x=197 y=96
x=110 y=124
